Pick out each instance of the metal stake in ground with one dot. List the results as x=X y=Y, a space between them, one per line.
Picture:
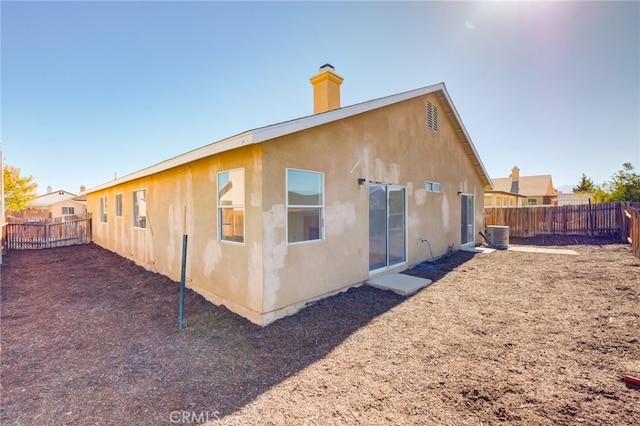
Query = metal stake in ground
x=183 y=273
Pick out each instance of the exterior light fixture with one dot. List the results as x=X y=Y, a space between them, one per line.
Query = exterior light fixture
x=361 y=182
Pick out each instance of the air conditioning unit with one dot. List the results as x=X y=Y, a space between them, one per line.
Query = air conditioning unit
x=498 y=236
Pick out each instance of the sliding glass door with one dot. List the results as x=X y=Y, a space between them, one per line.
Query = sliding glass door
x=467 y=222
x=387 y=226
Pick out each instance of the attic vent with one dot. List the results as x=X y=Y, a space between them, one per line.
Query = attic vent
x=432 y=116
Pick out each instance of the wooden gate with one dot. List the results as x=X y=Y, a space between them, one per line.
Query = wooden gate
x=25 y=236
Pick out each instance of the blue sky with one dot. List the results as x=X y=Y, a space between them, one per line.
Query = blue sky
x=93 y=89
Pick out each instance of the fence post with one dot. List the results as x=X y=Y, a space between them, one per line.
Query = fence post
x=590 y=218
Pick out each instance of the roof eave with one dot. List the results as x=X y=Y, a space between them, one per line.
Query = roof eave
x=466 y=139
x=223 y=145
x=288 y=127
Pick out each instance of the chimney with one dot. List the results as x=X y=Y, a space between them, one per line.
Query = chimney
x=49 y=189
x=83 y=188
x=326 y=89
x=515 y=180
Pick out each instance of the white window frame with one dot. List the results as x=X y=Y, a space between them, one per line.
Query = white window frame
x=68 y=211
x=232 y=207
x=431 y=186
x=119 y=204
x=135 y=208
x=103 y=209
x=320 y=206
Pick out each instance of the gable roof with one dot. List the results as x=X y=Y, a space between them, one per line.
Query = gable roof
x=495 y=191
x=52 y=198
x=263 y=134
x=528 y=185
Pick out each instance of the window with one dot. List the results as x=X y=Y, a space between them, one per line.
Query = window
x=432 y=116
x=231 y=206
x=68 y=210
x=432 y=186
x=118 y=205
x=305 y=206
x=103 y=209
x=139 y=208
x=532 y=202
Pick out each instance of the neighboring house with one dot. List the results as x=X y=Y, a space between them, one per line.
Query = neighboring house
x=57 y=204
x=286 y=214
x=575 y=198
x=517 y=191
x=503 y=199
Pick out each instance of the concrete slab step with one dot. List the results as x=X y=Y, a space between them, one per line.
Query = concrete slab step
x=479 y=249
x=399 y=283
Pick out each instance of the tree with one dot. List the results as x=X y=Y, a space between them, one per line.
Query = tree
x=585 y=185
x=624 y=186
x=19 y=191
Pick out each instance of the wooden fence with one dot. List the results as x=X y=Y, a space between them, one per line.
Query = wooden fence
x=3 y=237
x=632 y=217
x=23 y=236
x=606 y=219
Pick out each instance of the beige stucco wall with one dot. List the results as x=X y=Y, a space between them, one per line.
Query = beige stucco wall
x=266 y=278
x=391 y=145
x=183 y=200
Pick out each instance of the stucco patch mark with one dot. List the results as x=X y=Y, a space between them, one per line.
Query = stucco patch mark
x=254 y=276
x=445 y=212
x=210 y=257
x=420 y=196
x=379 y=170
x=255 y=200
x=363 y=160
x=464 y=186
x=274 y=253
x=396 y=171
x=256 y=183
x=409 y=189
x=339 y=217
x=387 y=174
x=172 y=246
x=213 y=173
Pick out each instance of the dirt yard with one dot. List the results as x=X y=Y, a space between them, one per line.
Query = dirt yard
x=503 y=338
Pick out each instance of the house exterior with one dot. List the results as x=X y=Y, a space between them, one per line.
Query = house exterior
x=56 y=204
x=503 y=199
x=518 y=191
x=286 y=214
x=575 y=199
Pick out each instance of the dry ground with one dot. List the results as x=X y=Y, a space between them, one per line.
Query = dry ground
x=502 y=338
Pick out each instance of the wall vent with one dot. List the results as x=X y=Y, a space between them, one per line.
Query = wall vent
x=432 y=116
